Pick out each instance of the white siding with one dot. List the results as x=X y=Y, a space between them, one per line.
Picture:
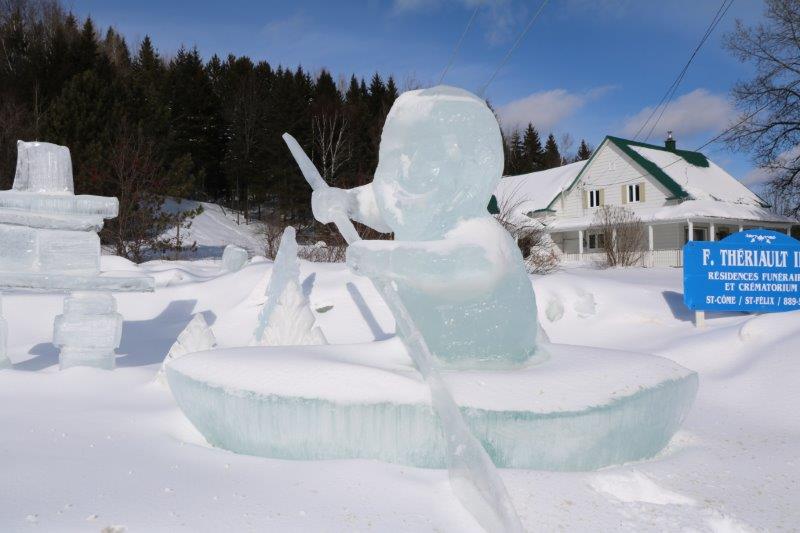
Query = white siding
x=610 y=170
x=667 y=236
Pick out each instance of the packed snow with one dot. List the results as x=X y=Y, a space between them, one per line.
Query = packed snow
x=533 y=191
x=85 y=448
x=216 y=227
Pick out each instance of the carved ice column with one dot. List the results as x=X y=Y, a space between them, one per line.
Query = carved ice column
x=88 y=331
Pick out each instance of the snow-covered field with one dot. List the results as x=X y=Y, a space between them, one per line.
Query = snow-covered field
x=85 y=449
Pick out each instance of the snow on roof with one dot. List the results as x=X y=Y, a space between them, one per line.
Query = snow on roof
x=689 y=209
x=702 y=183
x=536 y=190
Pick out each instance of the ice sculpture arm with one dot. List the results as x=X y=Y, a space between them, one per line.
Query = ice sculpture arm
x=427 y=265
x=358 y=204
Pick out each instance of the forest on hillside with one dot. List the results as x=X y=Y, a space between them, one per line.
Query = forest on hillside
x=143 y=126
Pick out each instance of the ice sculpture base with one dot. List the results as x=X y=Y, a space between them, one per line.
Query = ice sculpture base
x=580 y=409
x=55 y=282
x=88 y=331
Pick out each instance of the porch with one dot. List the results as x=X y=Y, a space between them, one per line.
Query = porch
x=664 y=240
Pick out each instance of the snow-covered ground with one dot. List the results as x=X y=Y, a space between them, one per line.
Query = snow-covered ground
x=85 y=449
x=216 y=227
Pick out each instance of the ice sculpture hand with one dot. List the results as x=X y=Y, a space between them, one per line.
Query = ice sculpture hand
x=365 y=260
x=327 y=203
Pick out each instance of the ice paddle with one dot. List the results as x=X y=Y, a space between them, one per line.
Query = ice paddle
x=473 y=475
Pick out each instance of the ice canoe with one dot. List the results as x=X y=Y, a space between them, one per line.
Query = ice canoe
x=580 y=409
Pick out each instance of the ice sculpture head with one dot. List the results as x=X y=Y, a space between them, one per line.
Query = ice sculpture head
x=440 y=159
x=43 y=168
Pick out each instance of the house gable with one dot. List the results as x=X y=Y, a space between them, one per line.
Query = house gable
x=611 y=170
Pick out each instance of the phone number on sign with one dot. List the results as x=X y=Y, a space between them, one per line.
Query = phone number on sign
x=787 y=301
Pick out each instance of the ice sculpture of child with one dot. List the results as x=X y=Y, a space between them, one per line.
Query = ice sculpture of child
x=459 y=273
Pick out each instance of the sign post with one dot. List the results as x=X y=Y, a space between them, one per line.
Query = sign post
x=754 y=270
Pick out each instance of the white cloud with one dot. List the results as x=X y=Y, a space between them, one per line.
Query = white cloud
x=761 y=175
x=696 y=112
x=545 y=109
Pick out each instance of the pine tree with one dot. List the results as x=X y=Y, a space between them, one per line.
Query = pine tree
x=552 y=157
x=196 y=122
x=533 y=154
x=584 y=152
x=516 y=154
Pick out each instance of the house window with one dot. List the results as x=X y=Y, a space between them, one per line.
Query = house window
x=594 y=198
x=698 y=234
x=634 y=193
x=595 y=241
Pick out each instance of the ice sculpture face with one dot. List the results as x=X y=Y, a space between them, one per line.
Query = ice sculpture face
x=441 y=157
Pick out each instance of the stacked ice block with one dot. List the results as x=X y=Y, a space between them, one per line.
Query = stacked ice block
x=89 y=330
x=49 y=241
x=48 y=235
x=44 y=227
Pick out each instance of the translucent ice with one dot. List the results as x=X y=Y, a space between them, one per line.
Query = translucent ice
x=197 y=336
x=458 y=272
x=233 y=258
x=5 y=362
x=48 y=236
x=286 y=318
x=43 y=167
x=368 y=401
x=88 y=331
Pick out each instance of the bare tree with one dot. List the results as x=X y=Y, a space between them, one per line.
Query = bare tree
x=144 y=224
x=770 y=102
x=272 y=231
x=566 y=144
x=781 y=202
x=330 y=143
x=538 y=250
x=623 y=235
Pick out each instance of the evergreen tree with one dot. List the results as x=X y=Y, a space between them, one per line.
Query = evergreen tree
x=533 y=154
x=552 y=157
x=584 y=152
x=516 y=154
x=195 y=117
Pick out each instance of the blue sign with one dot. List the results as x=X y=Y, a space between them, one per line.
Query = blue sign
x=754 y=270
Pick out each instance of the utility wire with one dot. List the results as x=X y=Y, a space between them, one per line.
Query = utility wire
x=514 y=47
x=710 y=141
x=663 y=104
x=458 y=44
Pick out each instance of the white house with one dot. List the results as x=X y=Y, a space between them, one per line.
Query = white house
x=680 y=196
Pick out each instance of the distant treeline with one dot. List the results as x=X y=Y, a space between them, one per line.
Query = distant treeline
x=140 y=125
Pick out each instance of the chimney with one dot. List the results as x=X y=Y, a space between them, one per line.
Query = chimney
x=669 y=143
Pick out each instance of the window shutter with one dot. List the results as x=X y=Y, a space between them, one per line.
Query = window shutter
x=602 y=197
x=624 y=193
x=642 y=187
x=585 y=199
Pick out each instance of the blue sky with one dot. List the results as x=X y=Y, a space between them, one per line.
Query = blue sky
x=587 y=67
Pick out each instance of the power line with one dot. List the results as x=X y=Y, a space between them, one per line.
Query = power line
x=710 y=141
x=514 y=47
x=458 y=44
x=670 y=93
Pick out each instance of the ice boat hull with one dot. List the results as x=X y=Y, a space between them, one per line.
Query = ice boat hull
x=581 y=409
